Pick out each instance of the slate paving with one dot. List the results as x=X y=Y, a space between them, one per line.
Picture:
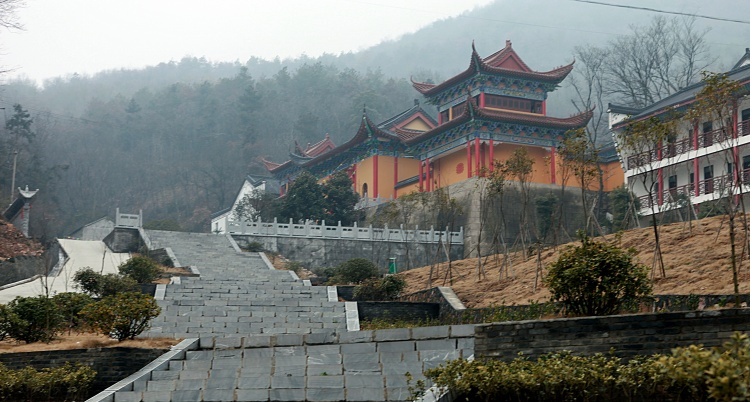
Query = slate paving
x=263 y=335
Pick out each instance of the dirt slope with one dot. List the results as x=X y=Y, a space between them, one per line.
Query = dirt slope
x=13 y=243
x=697 y=262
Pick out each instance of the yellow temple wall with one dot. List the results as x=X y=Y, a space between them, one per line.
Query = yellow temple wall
x=445 y=168
x=541 y=160
x=417 y=124
x=364 y=175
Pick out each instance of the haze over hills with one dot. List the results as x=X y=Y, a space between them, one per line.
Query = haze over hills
x=177 y=138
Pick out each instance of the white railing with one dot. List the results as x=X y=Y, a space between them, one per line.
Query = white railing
x=127 y=220
x=313 y=229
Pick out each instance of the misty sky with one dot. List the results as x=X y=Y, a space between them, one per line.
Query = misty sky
x=87 y=36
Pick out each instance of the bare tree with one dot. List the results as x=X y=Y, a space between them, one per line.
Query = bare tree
x=655 y=61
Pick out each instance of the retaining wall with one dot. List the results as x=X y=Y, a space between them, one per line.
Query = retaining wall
x=323 y=252
x=626 y=335
x=22 y=267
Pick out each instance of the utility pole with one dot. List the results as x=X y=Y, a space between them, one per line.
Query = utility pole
x=13 y=177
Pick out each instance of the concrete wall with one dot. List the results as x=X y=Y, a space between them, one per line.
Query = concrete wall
x=314 y=253
x=111 y=364
x=626 y=335
x=407 y=311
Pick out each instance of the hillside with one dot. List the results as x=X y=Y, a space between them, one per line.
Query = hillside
x=697 y=262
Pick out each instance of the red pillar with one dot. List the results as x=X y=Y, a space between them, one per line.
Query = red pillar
x=482 y=99
x=543 y=107
x=490 y=155
x=660 y=176
x=483 y=158
x=735 y=149
x=553 y=165
x=477 y=154
x=695 y=161
x=375 y=176
x=394 y=193
x=469 y=161
x=420 y=177
x=429 y=176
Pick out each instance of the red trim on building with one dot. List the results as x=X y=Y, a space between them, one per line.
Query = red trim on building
x=482 y=99
x=376 y=176
x=483 y=153
x=695 y=161
x=543 y=108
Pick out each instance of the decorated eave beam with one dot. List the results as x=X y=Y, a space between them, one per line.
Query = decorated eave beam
x=497 y=126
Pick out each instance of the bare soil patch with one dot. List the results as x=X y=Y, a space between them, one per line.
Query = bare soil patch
x=86 y=341
x=697 y=261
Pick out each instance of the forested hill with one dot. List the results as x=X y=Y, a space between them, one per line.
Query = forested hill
x=176 y=139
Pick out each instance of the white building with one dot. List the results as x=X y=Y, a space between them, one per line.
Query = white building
x=699 y=162
x=251 y=185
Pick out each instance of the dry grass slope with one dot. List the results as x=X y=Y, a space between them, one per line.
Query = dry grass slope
x=697 y=262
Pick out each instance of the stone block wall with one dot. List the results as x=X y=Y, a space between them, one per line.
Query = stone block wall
x=123 y=240
x=111 y=364
x=323 y=252
x=407 y=311
x=626 y=335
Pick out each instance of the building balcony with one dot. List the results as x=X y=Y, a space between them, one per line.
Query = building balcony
x=684 y=145
x=717 y=185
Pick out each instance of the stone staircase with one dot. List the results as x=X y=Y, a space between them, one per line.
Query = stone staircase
x=257 y=334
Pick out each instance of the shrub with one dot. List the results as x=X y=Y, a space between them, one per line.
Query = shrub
x=6 y=320
x=88 y=280
x=97 y=285
x=70 y=305
x=597 y=278
x=65 y=383
x=293 y=266
x=121 y=316
x=355 y=271
x=687 y=374
x=387 y=288
x=142 y=269
x=34 y=319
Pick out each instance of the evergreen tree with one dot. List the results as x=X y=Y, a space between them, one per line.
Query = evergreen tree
x=304 y=199
x=340 y=199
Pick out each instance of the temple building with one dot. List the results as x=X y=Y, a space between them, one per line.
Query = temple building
x=484 y=113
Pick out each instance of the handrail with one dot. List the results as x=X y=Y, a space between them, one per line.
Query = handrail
x=311 y=229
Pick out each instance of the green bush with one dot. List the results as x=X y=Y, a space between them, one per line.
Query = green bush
x=121 y=316
x=375 y=289
x=687 y=374
x=97 y=285
x=597 y=278
x=34 y=319
x=65 y=383
x=70 y=305
x=353 y=271
x=6 y=320
x=142 y=269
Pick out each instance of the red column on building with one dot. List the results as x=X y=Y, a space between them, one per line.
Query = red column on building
x=376 y=176
x=482 y=99
x=553 y=165
x=490 y=155
x=543 y=107
x=695 y=161
x=483 y=159
x=420 y=177
x=469 y=161
x=429 y=176
x=477 y=158
x=660 y=175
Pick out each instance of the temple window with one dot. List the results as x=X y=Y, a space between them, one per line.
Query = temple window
x=509 y=103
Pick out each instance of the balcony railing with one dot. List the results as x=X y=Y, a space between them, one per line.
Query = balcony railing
x=687 y=191
x=684 y=145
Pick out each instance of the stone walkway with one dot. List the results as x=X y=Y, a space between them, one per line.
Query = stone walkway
x=263 y=335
